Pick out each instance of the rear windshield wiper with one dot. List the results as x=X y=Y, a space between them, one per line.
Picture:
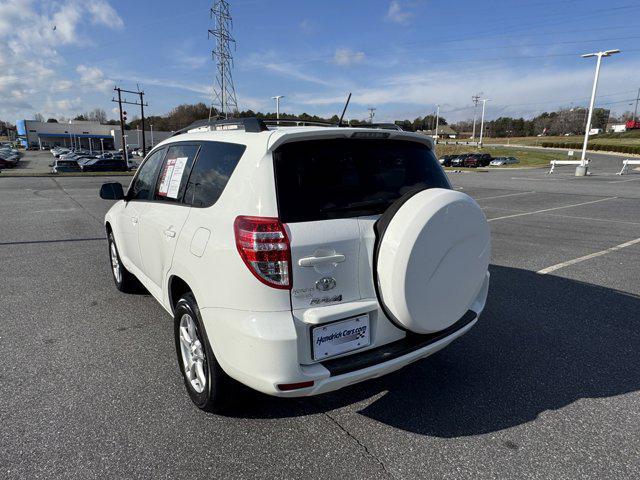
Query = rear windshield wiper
x=378 y=202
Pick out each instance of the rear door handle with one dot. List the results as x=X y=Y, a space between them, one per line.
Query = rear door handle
x=170 y=233
x=316 y=261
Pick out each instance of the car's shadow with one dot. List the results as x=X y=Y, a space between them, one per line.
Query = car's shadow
x=542 y=343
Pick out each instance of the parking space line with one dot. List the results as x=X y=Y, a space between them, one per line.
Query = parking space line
x=502 y=196
x=63 y=240
x=558 y=266
x=592 y=219
x=550 y=209
x=623 y=181
x=536 y=179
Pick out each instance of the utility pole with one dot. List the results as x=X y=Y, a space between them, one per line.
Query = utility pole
x=141 y=104
x=372 y=113
x=475 y=98
x=277 y=99
x=124 y=147
x=635 y=112
x=152 y=135
x=484 y=103
x=581 y=170
x=437 y=121
x=144 y=141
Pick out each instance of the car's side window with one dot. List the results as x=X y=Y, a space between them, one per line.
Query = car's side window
x=211 y=172
x=145 y=180
x=175 y=172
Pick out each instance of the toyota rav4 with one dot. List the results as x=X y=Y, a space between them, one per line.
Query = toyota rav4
x=299 y=260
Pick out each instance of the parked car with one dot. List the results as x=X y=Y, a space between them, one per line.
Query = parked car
x=4 y=163
x=503 y=161
x=104 y=165
x=446 y=160
x=65 y=166
x=459 y=160
x=299 y=260
x=477 y=160
x=58 y=153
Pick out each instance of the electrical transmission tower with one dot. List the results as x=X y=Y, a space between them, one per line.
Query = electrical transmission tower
x=372 y=112
x=224 y=92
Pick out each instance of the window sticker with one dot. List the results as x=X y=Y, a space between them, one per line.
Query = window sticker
x=172 y=177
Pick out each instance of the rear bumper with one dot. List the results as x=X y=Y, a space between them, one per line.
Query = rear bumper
x=262 y=350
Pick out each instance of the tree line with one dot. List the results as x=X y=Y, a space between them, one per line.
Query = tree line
x=559 y=122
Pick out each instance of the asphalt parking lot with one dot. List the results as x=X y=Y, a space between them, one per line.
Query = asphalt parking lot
x=547 y=385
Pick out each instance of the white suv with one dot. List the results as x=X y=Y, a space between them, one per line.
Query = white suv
x=299 y=260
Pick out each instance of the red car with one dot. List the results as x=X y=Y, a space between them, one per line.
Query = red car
x=477 y=160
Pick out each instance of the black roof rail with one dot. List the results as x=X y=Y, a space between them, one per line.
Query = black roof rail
x=248 y=124
x=296 y=122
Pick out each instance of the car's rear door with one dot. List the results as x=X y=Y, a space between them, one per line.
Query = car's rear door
x=330 y=193
x=162 y=220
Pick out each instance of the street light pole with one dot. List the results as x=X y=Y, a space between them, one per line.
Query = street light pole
x=277 y=99
x=581 y=170
x=437 y=121
x=484 y=103
x=125 y=150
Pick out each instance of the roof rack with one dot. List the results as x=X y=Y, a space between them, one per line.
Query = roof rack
x=256 y=125
x=249 y=124
x=296 y=123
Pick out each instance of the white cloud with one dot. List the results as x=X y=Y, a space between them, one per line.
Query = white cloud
x=103 y=13
x=397 y=13
x=347 y=57
x=93 y=77
x=270 y=61
x=32 y=70
x=512 y=91
x=193 y=61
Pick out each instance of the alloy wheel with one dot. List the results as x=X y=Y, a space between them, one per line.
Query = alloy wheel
x=193 y=356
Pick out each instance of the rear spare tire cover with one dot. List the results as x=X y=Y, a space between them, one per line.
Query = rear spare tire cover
x=432 y=259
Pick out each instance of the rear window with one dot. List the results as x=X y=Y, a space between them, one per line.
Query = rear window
x=341 y=178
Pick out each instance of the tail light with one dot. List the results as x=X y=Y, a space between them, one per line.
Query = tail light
x=264 y=247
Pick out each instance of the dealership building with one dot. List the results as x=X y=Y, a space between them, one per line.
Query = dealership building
x=91 y=136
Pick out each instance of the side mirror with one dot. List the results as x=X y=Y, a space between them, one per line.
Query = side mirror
x=111 y=191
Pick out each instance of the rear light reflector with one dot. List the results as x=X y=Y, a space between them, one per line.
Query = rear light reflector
x=286 y=387
x=264 y=247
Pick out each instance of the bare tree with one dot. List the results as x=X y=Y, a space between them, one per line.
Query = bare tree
x=97 y=115
x=38 y=117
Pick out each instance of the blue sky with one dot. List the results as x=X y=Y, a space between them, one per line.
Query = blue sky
x=402 y=57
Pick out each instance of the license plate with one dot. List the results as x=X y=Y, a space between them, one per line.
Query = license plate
x=340 y=337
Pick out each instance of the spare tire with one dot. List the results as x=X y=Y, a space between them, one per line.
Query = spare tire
x=432 y=255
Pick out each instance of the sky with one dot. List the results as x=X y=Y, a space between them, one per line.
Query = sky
x=402 y=57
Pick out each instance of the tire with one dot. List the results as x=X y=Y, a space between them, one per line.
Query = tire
x=425 y=243
x=125 y=281
x=208 y=386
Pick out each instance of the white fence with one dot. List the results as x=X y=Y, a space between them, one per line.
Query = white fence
x=555 y=163
x=625 y=165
